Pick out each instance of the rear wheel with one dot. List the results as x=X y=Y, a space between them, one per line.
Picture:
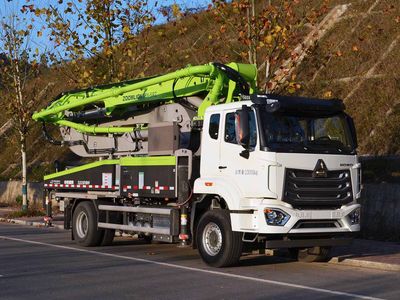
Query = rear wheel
x=109 y=234
x=84 y=225
x=218 y=245
x=108 y=237
x=148 y=238
x=313 y=254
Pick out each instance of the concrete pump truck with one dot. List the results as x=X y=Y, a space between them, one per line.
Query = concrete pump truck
x=199 y=157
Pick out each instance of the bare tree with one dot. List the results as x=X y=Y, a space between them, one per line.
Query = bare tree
x=18 y=65
x=267 y=31
x=112 y=34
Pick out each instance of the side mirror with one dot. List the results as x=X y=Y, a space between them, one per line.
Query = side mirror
x=353 y=133
x=242 y=127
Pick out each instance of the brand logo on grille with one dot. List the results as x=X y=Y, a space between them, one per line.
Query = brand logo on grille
x=320 y=169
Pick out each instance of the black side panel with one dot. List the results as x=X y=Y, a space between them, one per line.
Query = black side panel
x=148 y=181
x=98 y=178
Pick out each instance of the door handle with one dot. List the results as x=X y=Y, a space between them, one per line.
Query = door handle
x=222 y=167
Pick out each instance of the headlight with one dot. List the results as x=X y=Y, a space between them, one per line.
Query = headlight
x=354 y=216
x=276 y=217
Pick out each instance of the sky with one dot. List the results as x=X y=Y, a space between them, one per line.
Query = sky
x=43 y=44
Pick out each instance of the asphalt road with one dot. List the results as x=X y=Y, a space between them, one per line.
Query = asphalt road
x=39 y=263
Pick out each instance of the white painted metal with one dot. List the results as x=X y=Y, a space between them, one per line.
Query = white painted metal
x=249 y=175
x=256 y=183
x=82 y=224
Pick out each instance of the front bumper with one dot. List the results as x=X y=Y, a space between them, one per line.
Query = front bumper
x=325 y=222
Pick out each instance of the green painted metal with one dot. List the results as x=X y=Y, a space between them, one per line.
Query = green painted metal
x=212 y=97
x=94 y=129
x=124 y=161
x=189 y=81
x=148 y=161
x=82 y=168
x=76 y=100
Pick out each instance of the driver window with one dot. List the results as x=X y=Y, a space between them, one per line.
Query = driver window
x=330 y=129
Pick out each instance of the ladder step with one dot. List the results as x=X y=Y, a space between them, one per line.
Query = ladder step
x=157 y=230
x=147 y=210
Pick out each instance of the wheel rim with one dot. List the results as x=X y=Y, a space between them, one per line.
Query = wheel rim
x=82 y=224
x=212 y=239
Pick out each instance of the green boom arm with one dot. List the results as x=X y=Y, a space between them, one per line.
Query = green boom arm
x=189 y=81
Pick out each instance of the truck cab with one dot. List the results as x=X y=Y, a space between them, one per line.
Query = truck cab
x=286 y=169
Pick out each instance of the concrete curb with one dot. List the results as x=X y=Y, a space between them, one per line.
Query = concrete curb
x=30 y=223
x=339 y=260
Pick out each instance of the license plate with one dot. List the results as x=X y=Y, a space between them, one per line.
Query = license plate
x=303 y=214
x=337 y=214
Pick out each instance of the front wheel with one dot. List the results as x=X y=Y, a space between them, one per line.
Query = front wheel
x=218 y=245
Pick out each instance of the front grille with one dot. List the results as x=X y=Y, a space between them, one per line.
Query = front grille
x=302 y=190
x=306 y=224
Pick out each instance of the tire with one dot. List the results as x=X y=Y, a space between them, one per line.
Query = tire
x=217 y=244
x=109 y=234
x=108 y=237
x=309 y=255
x=84 y=225
x=148 y=238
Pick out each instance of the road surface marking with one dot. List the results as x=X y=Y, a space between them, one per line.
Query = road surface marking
x=279 y=283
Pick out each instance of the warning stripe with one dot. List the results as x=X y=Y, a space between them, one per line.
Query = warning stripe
x=147 y=187
x=86 y=186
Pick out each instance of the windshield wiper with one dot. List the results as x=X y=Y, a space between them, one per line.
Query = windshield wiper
x=337 y=145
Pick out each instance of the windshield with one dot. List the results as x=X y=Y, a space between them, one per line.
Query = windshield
x=285 y=132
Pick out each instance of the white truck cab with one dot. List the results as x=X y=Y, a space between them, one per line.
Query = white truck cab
x=294 y=178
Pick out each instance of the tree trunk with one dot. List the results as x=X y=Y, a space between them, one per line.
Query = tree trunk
x=249 y=27
x=251 y=15
x=267 y=70
x=254 y=39
x=24 y=175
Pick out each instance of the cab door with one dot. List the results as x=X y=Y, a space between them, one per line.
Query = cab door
x=248 y=174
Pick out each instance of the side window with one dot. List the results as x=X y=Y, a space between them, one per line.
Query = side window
x=230 y=132
x=214 y=126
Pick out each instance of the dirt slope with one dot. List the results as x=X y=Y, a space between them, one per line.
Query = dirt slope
x=357 y=60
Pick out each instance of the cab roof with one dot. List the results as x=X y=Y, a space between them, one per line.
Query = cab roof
x=300 y=105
